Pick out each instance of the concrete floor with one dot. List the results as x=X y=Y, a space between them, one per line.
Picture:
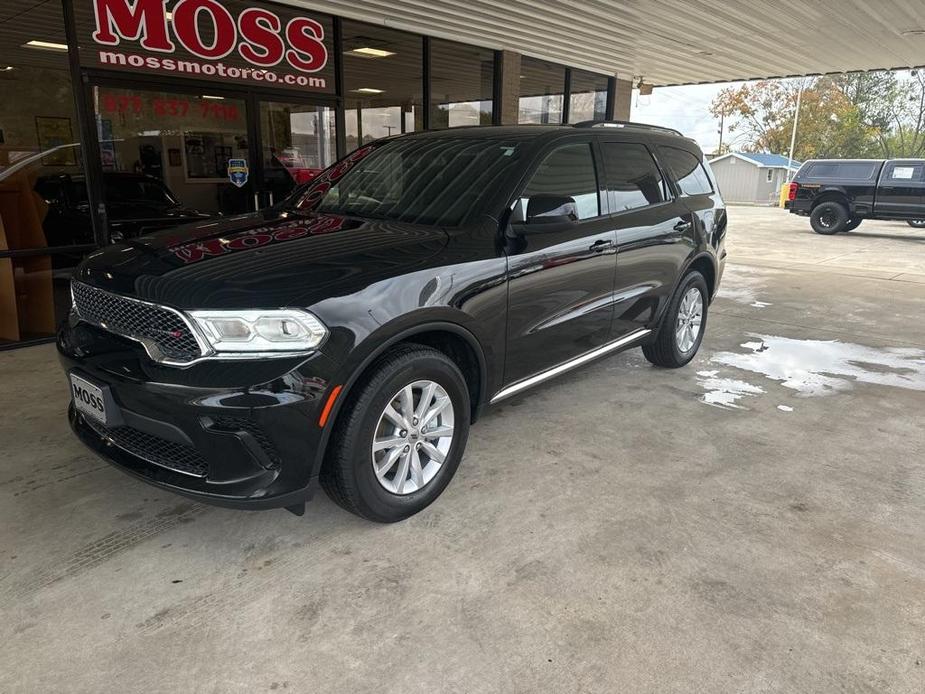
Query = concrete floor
x=611 y=531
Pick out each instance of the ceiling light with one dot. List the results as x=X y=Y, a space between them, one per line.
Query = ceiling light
x=7 y=68
x=209 y=96
x=368 y=90
x=367 y=52
x=46 y=45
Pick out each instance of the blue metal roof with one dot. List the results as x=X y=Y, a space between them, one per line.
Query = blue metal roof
x=773 y=160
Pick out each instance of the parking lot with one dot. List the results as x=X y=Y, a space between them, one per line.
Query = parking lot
x=752 y=522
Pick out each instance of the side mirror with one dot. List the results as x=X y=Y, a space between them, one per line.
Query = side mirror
x=551 y=209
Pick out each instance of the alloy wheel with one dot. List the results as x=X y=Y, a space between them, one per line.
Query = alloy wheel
x=413 y=437
x=690 y=318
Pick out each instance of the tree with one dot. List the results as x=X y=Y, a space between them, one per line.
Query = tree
x=875 y=114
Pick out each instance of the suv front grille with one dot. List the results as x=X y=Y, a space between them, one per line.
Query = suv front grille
x=153 y=449
x=150 y=324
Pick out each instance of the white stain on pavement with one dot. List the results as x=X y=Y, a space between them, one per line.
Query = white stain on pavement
x=742 y=285
x=824 y=367
x=725 y=392
x=785 y=408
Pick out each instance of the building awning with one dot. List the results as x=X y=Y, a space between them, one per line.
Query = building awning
x=671 y=41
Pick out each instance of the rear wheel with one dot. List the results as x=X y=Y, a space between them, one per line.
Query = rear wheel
x=917 y=223
x=681 y=330
x=829 y=218
x=403 y=433
x=853 y=224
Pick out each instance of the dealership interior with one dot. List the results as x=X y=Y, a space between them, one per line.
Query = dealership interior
x=753 y=522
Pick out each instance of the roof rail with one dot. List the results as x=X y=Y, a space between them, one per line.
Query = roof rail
x=623 y=124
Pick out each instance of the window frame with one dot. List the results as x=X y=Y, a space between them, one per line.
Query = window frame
x=667 y=187
x=769 y=176
x=540 y=155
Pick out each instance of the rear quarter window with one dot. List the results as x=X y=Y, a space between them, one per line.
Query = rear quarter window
x=688 y=171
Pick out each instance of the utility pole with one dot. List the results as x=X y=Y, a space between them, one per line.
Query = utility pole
x=722 y=126
x=793 y=135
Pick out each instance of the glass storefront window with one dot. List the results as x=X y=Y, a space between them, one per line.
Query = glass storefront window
x=34 y=295
x=587 y=97
x=166 y=157
x=461 y=84
x=41 y=173
x=542 y=90
x=297 y=143
x=383 y=82
x=38 y=131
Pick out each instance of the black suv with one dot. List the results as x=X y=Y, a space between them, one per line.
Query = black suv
x=838 y=194
x=351 y=333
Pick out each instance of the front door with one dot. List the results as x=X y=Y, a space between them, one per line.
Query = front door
x=901 y=192
x=172 y=156
x=296 y=143
x=560 y=283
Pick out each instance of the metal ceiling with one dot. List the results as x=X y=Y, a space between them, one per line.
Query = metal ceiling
x=671 y=41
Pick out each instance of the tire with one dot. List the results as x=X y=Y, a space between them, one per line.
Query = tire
x=916 y=223
x=853 y=224
x=829 y=218
x=349 y=473
x=666 y=349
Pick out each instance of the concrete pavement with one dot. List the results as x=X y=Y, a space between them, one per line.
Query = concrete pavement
x=754 y=522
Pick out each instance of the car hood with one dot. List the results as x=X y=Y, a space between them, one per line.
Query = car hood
x=268 y=259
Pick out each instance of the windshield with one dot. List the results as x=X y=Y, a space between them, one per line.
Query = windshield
x=420 y=180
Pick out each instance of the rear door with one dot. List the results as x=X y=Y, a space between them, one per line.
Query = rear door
x=654 y=230
x=901 y=192
x=560 y=282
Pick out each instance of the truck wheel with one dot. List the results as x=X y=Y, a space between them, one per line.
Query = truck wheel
x=398 y=443
x=829 y=218
x=916 y=223
x=853 y=224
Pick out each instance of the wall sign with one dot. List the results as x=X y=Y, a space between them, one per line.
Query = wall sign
x=229 y=41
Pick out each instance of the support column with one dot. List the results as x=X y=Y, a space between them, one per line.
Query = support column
x=507 y=87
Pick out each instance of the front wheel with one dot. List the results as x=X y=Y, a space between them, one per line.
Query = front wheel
x=681 y=331
x=403 y=433
x=829 y=218
x=916 y=223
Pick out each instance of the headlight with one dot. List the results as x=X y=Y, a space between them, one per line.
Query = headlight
x=287 y=330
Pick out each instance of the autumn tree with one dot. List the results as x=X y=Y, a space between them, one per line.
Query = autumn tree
x=872 y=114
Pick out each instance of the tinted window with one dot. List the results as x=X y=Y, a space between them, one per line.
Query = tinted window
x=567 y=171
x=692 y=179
x=419 y=180
x=632 y=179
x=857 y=171
x=905 y=171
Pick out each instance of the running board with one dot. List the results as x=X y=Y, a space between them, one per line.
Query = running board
x=567 y=366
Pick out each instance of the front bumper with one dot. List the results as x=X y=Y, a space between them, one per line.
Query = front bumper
x=233 y=433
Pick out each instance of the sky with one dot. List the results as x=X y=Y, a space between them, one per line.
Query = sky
x=683 y=108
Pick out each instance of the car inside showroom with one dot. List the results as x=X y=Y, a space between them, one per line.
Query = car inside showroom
x=462 y=347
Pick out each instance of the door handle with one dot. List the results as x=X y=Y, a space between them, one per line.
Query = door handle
x=683 y=226
x=601 y=245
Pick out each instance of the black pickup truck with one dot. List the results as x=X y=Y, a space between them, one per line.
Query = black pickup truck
x=838 y=194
